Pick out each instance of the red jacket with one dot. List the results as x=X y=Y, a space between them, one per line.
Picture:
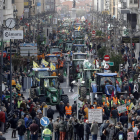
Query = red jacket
x=2 y=116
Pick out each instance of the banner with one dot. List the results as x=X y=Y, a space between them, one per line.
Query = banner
x=122 y=108
x=95 y=115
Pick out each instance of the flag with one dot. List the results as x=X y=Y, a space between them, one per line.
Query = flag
x=131 y=106
x=45 y=63
x=35 y=65
x=79 y=28
x=52 y=66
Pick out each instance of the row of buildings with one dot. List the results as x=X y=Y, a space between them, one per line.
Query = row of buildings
x=120 y=9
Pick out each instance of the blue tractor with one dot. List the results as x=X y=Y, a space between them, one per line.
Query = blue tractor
x=105 y=84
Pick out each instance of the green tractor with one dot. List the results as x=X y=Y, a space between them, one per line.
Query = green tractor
x=88 y=78
x=48 y=89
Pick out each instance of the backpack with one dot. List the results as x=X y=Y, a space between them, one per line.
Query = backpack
x=121 y=136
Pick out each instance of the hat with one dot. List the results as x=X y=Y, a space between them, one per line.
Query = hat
x=61 y=101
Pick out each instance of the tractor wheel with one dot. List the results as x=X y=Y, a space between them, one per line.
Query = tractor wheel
x=83 y=92
x=61 y=77
x=65 y=99
x=32 y=92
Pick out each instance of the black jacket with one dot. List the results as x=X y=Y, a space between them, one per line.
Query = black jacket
x=81 y=130
x=14 y=122
x=50 y=113
x=123 y=120
x=21 y=130
x=114 y=113
x=87 y=129
x=75 y=127
x=62 y=109
x=120 y=133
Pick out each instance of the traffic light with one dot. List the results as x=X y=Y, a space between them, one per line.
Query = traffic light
x=121 y=67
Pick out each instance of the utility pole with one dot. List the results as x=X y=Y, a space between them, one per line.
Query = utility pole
x=1 y=34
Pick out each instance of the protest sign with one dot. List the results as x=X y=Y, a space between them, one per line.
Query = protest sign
x=95 y=115
x=122 y=108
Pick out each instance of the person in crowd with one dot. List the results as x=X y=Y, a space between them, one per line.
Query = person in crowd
x=34 y=130
x=114 y=115
x=47 y=132
x=86 y=130
x=14 y=122
x=50 y=112
x=74 y=109
x=135 y=129
x=62 y=129
x=120 y=135
x=56 y=129
x=124 y=119
x=75 y=129
x=68 y=111
x=61 y=109
x=81 y=113
x=70 y=129
x=94 y=130
x=21 y=130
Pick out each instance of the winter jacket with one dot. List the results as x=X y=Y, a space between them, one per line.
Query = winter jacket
x=124 y=119
x=56 y=126
x=110 y=132
x=94 y=128
x=50 y=113
x=21 y=130
x=14 y=123
x=75 y=127
x=114 y=113
x=62 y=126
x=28 y=123
x=62 y=109
x=86 y=129
x=2 y=116
x=70 y=127
x=81 y=130
x=34 y=128
x=25 y=119
x=37 y=120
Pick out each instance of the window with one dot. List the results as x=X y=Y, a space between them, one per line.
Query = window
x=135 y=1
x=131 y=1
x=33 y=1
x=113 y=7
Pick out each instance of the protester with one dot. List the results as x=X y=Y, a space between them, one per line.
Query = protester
x=21 y=130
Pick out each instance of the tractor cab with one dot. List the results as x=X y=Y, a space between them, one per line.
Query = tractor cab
x=79 y=48
x=48 y=89
x=106 y=83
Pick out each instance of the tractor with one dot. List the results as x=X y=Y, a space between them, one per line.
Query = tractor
x=106 y=84
x=75 y=70
x=48 y=89
x=89 y=78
